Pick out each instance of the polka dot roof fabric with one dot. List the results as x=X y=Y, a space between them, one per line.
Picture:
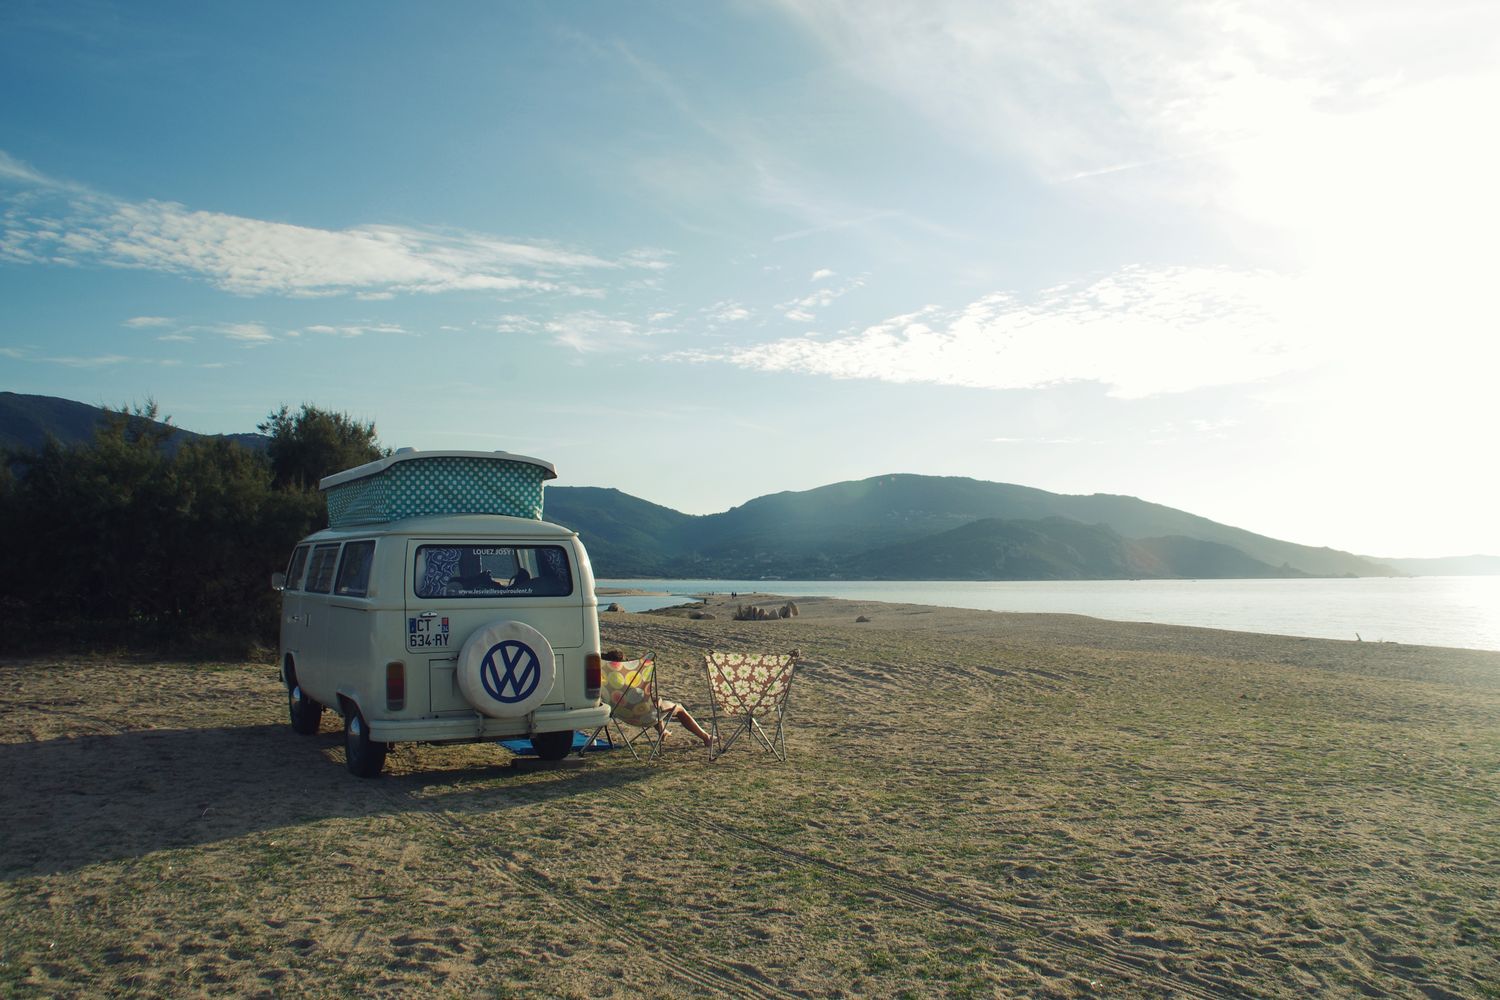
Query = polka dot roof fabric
x=441 y=485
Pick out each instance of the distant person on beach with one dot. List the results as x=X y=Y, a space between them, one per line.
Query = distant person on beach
x=670 y=710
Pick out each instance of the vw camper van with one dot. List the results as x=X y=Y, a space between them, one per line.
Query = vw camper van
x=438 y=607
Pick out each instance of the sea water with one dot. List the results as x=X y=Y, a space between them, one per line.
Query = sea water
x=1461 y=611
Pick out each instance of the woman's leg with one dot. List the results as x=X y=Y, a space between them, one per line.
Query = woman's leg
x=672 y=710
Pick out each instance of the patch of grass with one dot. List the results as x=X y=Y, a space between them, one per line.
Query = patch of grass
x=1112 y=779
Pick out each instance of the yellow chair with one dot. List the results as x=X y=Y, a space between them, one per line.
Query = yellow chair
x=629 y=687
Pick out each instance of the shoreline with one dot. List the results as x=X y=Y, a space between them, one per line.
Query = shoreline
x=1445 y=613
x=710 y=601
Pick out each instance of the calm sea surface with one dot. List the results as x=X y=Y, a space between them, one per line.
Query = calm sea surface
x=1433 y=611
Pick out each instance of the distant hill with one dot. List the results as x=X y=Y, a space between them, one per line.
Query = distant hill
x=624 y=531
x=26 y=422
x=1449 y=566
x=894 y=527
x=1197 y=559
x=908 y=506
x=1055 y=548
x=858 y=529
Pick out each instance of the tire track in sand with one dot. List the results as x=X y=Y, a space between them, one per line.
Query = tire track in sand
x=1131 y=968
x=696 y=966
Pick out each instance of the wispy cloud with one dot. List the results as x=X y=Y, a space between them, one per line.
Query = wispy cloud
x=351 y=330
x=1339 y=140
x=800 y=309
x=727 y=312
x=1140 y=332
x=650 y=258
x=1346 y=132
x=1039 y=440
x=246 y=333
x=594 y=333
x=1095 y=87
x=32 y=355
x=96 y=361
x=747 y=155
x=515 y=323
x=254 y=256
x=17 y=172
x=829 y=219
x=146 y=322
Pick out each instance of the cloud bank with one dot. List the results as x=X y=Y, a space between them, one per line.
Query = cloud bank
x=1140 y=332
x=51 y=222
x=1093 y=87
x=1340 y=140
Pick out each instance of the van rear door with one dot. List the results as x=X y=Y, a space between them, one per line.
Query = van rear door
x=455 y=587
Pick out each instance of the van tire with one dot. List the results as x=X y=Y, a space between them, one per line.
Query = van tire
x=306 y=715
x=363 y=756
x=552 y=746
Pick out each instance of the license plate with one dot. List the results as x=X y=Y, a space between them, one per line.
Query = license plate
x=427 y=633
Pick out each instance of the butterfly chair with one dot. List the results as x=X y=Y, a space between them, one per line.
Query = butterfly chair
x=630 y=690
x=749 y=693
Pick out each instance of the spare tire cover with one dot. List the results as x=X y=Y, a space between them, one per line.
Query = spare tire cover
x=506 y=669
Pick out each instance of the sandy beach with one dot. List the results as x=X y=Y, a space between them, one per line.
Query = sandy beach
x=976 y=804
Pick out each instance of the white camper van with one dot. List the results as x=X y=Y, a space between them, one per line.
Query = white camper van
x=438 y=607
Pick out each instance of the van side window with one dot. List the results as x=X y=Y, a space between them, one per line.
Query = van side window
x=354 y=569
x=491 y=570
x=294 y=571
x=320 y=570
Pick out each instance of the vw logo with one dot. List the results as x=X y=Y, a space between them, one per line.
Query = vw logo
x=510 y=671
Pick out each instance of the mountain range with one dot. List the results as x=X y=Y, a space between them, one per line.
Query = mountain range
x=26 y=422
x=908 y=527
x=891 y=527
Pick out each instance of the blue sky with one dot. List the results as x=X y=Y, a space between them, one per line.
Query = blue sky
x=1233 y=258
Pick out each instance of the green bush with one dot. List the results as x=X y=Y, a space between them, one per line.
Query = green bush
x=126 y=541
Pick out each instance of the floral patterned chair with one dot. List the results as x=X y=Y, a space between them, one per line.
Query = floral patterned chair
x=630 y=689
x=749 y=692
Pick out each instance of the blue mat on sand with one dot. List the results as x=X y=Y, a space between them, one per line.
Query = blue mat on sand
x=523 y=745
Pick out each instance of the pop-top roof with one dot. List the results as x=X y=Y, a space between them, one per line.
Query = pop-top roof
x=419 y=483
x=409 y=454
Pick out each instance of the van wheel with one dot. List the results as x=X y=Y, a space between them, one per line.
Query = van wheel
x=552 y=746
x=363 y=756
x=305 y=713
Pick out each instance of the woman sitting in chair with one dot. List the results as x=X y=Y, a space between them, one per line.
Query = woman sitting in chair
x=669 y=710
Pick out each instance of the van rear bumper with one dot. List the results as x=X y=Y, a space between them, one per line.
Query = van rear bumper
x=479 y=727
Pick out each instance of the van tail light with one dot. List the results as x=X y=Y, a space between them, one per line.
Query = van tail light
x=593 y=667
x=395 y=685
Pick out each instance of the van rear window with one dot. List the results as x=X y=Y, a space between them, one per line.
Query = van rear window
x=491 y=570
